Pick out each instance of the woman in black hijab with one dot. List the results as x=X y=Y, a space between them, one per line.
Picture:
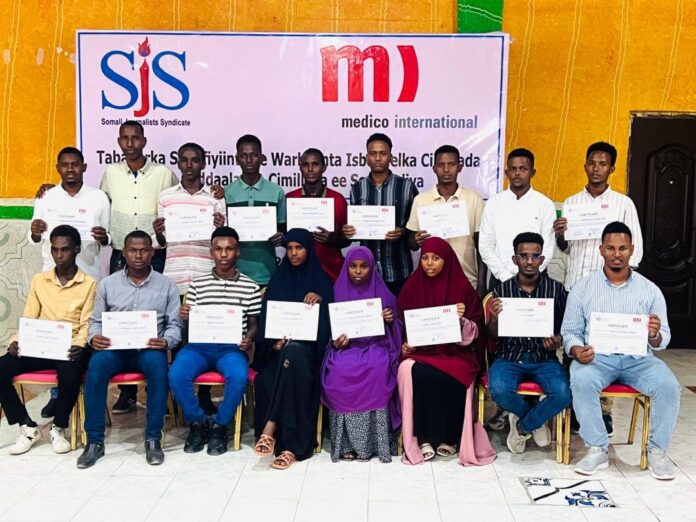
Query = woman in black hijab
x=287 y=385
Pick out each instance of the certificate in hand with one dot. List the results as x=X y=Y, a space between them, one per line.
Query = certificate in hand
x=434 y=325
x=355 y=319
x=526 y=317
x=445 y=221
x=291 y=320
x=129 y=330
x=44 y=339
x=371 y=221
x=310 y=213
x=587 y=220
x=253 y=223
x=218 y=324
x=80 y=218
x=188 y=222
x=619 y=333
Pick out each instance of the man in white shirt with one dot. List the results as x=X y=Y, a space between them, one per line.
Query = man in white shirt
x=517 y=209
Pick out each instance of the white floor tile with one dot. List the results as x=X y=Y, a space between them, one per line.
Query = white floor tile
x=619 y=514
x=247 y=509
x=379 y=511
x=335 y=510
x=459 y=512
x=171 y=509
x=134 y=487
x=44 y=508
x=525 y=513
x=115 y=509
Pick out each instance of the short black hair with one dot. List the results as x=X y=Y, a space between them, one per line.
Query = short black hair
x=224 y=232
x=316 y=152
x=71 y=150
x=249 y=138
x=617 y=227
x=192 y=146
x=446 y=149
x=527 y=237
x=66 y=231
x=133 y=123
x=137 y=234
x=602 y=146
x=521 y=153
x=378 y=136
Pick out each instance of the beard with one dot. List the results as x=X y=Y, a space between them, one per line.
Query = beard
x=616 y=268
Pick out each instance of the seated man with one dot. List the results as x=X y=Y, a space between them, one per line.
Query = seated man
x=224 y=285
x=520 y=359
x=617 y=289
x=63 y=293
x=136 y=287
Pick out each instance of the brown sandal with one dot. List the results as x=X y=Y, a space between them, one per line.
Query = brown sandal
x=266 y=443
x=284 y=460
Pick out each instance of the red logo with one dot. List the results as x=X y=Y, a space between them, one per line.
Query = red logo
x=231 y=311
x=202 y=210
x=266 y=211
x=637 y=320
x=380 y=72
x=82 y=210
x=605 y=205
x=145 y=316
x=61 y=327
x=446 y=310
x=385 y=210
x=541 y=303
x=323 y=202
x=370 y=304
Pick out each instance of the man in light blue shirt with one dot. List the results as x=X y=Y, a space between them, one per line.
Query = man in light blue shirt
x=618 y=289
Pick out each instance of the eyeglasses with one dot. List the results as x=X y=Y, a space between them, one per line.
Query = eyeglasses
x=527 y=257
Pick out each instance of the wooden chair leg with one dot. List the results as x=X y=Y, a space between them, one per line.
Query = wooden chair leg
x=481 y=402
x=73 y=428
x=634 y=420
x=319 y=428
x=238 y=426
x=172 y=415
x=81 y=402
x=566 y=437
x=250 y=404
x=647 y=404
x=559 y=437
x=108 y=416
x=20 y=392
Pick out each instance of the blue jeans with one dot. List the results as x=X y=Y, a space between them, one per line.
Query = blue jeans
x=195 y=359
x=648 y=375
x=505 y=376
x=104 y=365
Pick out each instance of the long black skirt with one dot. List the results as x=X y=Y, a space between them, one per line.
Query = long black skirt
x=438 y=406
x=287 y=392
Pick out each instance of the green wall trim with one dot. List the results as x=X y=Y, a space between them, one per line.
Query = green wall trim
x=479 y=16
x=16 y=212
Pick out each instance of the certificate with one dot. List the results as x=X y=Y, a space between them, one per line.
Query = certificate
x=80 y=218
x=298 y=321
x=434 y=325
x=445 y=221
x=129 y=330
x=355 y=319
x=619 y=333
x=44 y=339
x=218 y=324
x=253 y=223
x=310 y=213
x=587 y=220
x=188 y=222
x=371 y=221
x=526 y=317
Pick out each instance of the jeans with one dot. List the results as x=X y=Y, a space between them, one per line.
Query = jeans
x=505 y=376
x=648 y=375
x=195 y=359
x=104 y=365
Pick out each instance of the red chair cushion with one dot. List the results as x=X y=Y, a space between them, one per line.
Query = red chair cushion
x=127 y=377
x=528 y=387
x=43 y=376
x=252 y=375
x=619 y=388
x=209 y=378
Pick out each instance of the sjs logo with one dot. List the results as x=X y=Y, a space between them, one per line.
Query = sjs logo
x=172 y=61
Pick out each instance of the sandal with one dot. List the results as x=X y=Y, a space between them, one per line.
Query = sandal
x=284 y=460
x=445 y=450
x=348 y=456
x=264 y=446
x=427 y=451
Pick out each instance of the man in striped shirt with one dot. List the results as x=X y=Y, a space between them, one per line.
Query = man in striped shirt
x=224 y=285
x=617 y=289
x=520 y=359
x=382 y=187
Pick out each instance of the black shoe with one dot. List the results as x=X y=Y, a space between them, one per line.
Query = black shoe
x=153 y=452
x=574 y=424
x=217 y=439
x=197 y=437
x=205 y=401
x=125 y=403
x=93 y=452
x=608 y=424
x=49 y=410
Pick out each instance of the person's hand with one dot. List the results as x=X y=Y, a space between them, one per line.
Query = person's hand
x=13 y=349
x=42 y=190
x=218 y=220
x=552 y=343
x=158 y=343
x=75 y=353
x=280 y=344
x=461 y=308
x=654 y=325
x=311 y=299
x=246 y=344
x=321 y=235
x=277 y=239
x=407 y=349
x=341 y=342
x=388 y=315
x=395 y=234
x=496 y=306
x=582 y=354
x=420 y=237
x=99 y=234
x=184 y=311
x=158 y=226
x=348 y=230
x=99 y=342
x=38 y=227
x=217 y=191
x=560 y=225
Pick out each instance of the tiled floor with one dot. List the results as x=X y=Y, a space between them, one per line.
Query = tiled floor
x=240 y=486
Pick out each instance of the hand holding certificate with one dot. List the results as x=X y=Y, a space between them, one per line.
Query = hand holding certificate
x=526 y=317
x=253 y=223
x=216 y=324
x=291 y=320
x=445 y=221
x=619 y=333
x=587 y=220
x=188 y=222
x=371 y=221
x=44 y=339
x=310 y=213
x=355 y=319
x=129 y=330
x=435 y=325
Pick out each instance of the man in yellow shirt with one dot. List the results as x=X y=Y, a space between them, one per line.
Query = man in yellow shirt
x=64 y=293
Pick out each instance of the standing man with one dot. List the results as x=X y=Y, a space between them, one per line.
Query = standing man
x=257 y=259
x=534 y=359
x=518 y=209
x=447 y=167
x=138 y=287
x=618 y=289
x=382 y=187
x=327 y=244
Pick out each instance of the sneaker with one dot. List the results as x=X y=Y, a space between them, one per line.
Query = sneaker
x=516 y=442
x=595 y=459
x=574 y=424
x=28 y=436
x=608 y=424
x=498 y=421
x=49 y=410
x=124 y=404
x=58 y=440
x=542 y=436
x=660 y=465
